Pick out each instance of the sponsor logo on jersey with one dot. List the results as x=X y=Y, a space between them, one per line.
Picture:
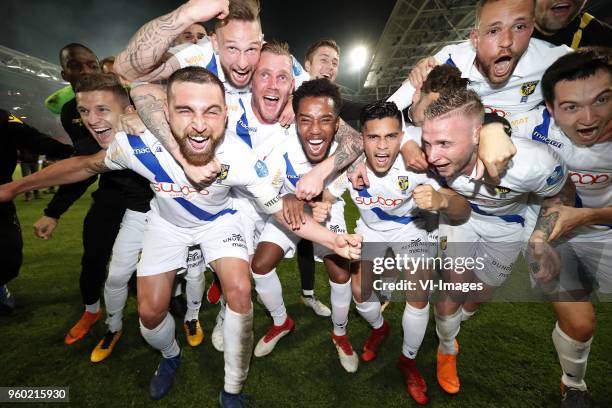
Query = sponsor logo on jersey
x=589 y=178
x=499 y=112
x=261 y=169
x=556 y=176
x=443 y=242
x=177 y=190
x=194 y=59
x=138 y=151
x=536 y=135
x=403 y=183
x=520 y=121
x=378 y=201
x=247 y=127
x=13 y=119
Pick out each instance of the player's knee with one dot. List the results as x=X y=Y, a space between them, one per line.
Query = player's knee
x=340 y=277
x=579 y=328
x=260 y=266
x=151 y=315
x=238 y=295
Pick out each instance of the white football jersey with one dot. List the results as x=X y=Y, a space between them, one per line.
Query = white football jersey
x=590 y=168
x=287 y=163
x=522 y=91
x=260 y=137
x=387 y=204
x=534 y=169
x=175 y=200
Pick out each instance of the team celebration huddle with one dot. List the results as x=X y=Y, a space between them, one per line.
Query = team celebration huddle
x=224 y=154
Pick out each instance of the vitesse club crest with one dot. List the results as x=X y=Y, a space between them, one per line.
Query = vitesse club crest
x=527 y=89
x=443 y=241
x=403 y=183
x=223 y=174
x=502 y=191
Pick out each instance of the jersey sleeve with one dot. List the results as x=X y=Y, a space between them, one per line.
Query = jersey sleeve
x=339 y=185
x=117 y=155
x=194 y=54
x=403 y=96
x=546 y=175
x=299 y=73
x=412 y=133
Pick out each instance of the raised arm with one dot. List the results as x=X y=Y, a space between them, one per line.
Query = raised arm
x=63 y=172
x=147 y=47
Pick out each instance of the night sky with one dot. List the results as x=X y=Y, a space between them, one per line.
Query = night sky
x=41 y=27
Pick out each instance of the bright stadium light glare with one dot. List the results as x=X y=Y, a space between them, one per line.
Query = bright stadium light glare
x=359 y=57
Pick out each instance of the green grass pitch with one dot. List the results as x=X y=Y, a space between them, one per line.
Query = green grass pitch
x=506 y=360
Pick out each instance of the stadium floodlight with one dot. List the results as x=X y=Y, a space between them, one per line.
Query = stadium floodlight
x=358 y=57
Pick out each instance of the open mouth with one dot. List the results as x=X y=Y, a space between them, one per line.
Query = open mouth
x=561 y=9
x=103 y=134
x=315 y=146
x=588 y=133
x=198 y=143
x=270 y=101
x=241 y=75
x=502 y=66
x=326 y=76
x=381 y=159
x=443 y=168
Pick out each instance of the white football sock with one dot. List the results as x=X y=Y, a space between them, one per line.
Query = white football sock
x=115 y=297
x=447 y=328
x=414 y=323
x=573 y=356
x=194 y=292
x=269 y=289
x=162 y=337
x=466 y=314
x=370 y=311
x=238 y=346
x=341 y=295
x=93 y=308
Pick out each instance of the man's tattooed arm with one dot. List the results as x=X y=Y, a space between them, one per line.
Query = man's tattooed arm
x=148 y=46
x=350 y=146
x=149 y=100
x=547 y=219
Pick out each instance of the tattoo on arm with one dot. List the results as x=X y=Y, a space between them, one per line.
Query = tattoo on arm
x=350 y=146
x=567 y=196
x=96 y=164
x=147 y=47
x=351 y=168
x=150 y=107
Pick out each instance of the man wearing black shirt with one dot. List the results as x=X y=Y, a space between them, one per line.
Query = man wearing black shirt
x=14 y=135
x=116 y=192
x=564 y=23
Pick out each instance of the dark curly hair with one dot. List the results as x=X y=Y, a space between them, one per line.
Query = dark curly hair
x=380 y=110
x=318 y=87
